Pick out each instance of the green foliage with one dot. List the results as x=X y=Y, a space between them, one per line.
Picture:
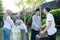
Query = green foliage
x=29 y=2
x=29 y=19
x=38 y=3
x=22 y=17
x=1 y=6
x=43 y=21
x=1 y=16
x=1 y=19
x=19 y=3
x=56 y=12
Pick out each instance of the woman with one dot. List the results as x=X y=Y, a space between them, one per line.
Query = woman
x=17 y=17
x=8 y=23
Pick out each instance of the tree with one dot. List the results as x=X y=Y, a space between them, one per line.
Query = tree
x=33 y=3
x=1 y=6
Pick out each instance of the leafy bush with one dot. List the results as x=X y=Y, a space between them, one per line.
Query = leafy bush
x=1 y=16
x=56 y=12
x=1 y=6
x=29 y=19
x=43 y=21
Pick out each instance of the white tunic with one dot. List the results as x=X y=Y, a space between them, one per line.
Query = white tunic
x=15 y=29
x=52 y=28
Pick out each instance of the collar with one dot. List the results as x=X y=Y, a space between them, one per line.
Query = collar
x=47 y=13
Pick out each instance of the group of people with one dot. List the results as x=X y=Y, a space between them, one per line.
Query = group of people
x=49 y=27
x=17 y=24
x=14 y=25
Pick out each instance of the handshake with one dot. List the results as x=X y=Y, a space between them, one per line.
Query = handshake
x=40 y=28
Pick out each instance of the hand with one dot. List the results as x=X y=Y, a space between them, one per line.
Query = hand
x=42 y=27
x=42 y=32
x=38 y=28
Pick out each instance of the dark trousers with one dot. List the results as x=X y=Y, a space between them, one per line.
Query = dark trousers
x=52 y=37
x=33 y=34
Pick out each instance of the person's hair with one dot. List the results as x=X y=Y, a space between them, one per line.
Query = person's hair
x=37 y=10
x=48 y=9
x=6 y=13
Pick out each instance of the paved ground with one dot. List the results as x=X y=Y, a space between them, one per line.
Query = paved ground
x=29 y=33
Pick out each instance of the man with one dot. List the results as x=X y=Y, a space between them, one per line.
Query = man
x=36 y=20
x=50 y=24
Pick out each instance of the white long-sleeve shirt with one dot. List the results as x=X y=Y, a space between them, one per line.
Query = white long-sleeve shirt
x=15 y=29
x=23 y=27
x=8 y=22
x=36 y=22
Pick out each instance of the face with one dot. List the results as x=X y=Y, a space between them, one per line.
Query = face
x=44 y=11
x=18 y=14
x=37 y=13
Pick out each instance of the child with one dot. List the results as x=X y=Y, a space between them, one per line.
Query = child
x=16 y=29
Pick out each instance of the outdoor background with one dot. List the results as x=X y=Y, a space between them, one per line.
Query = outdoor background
x=27 y=8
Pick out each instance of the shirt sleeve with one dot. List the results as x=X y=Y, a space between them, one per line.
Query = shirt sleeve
x=10 y=21
x=25 y=27
x=13 y=28
x=34 y=22
x=49 y=18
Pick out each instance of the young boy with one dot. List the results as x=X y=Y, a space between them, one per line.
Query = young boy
x=16 y=29
x=36 y=23
x=50 y=24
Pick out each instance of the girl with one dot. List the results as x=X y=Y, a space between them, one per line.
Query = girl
x=16 y=29
x=8 y=23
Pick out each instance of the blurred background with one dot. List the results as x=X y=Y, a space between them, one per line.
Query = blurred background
x=27 y=8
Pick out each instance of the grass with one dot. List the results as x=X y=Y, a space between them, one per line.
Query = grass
x=29 y=34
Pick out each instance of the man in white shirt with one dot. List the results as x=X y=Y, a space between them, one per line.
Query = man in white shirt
x=36 y=23
x=50 y=24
